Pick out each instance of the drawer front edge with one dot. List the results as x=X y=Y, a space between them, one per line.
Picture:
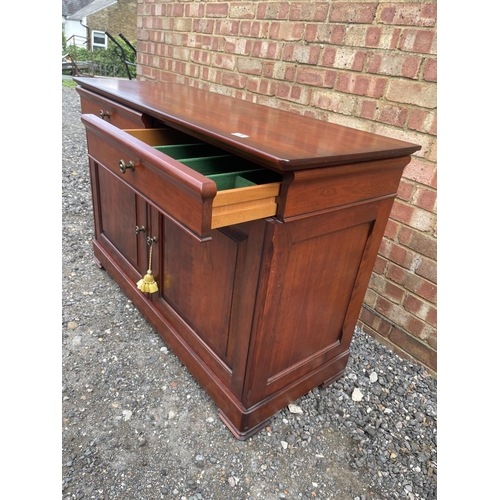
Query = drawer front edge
x=178 y=191
x=117 y=114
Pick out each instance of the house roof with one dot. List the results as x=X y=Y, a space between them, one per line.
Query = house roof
x=69 y=7
x=91 y=8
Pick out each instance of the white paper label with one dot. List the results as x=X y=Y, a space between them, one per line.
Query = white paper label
x=238 y=134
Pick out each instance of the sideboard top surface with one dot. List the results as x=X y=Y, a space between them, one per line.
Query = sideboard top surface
x=283 y=140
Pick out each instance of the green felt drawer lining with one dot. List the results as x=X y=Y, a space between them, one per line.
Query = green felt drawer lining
x=226 y=170
x=209 y=165
x=186 y=151
x=245 y=178
x=229 y=180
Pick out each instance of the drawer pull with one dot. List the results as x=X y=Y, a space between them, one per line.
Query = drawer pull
x=123 y=166
x=104 y=114
x=139 y=229
x=152 y=240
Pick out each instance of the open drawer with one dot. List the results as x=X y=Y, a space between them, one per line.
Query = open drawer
x=197 y=184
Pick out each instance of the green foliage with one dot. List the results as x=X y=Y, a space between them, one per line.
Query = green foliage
x=63 y=40
x=69 y=83
x=107 y=62
x=78 y=53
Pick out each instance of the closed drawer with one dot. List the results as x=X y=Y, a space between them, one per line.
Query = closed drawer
x=112 y=112
x=200 y=186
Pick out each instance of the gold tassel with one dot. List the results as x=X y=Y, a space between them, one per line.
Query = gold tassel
x=148 y=283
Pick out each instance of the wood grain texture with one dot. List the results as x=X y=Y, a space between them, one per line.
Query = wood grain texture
x=112 y=112
x=263 y=311
x=278 y=139
x=188 y=196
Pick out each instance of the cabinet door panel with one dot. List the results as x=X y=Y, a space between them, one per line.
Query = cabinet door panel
x=198 y=282
x=119 y=211
x=207 y=293
x=320 y=284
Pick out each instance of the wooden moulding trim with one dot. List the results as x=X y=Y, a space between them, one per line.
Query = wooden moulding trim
x=185 y=178
x=317 y=355
x=242 y=436
x=266 y=408
x=244 y=422
x=213 y=117
x=207 y=378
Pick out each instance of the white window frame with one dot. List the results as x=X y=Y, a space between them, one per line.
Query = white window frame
x=99 y=45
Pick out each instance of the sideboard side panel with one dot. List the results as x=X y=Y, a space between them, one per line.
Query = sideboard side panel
x=311 y=294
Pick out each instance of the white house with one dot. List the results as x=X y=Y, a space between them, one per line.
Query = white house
x=74 y=29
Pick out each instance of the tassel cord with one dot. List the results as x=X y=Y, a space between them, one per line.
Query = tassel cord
x=148 y=283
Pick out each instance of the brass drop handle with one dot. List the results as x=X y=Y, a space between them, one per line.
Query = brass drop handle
x=104 y=114
x=139 y=229
x=152 y=240
x=123 y=166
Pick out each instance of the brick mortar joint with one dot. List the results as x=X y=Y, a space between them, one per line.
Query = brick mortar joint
x=320 y=44
x=429 y=232
x=406 y=269
x=413 y=251
x=407 y=294
x=410 y=204
x=402 y=225
x=427 y=162
x=376 y=20
x=381 y=100
x=393 y=325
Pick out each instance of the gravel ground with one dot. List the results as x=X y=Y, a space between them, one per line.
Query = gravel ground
x=136 y=424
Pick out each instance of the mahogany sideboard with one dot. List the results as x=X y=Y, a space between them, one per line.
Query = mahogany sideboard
x=261 y=228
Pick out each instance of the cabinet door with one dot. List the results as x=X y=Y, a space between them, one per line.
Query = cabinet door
x=207 y=292
x=120 y=219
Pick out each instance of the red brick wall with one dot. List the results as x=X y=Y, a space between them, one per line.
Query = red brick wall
x=117 y=18
x=370 y=65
